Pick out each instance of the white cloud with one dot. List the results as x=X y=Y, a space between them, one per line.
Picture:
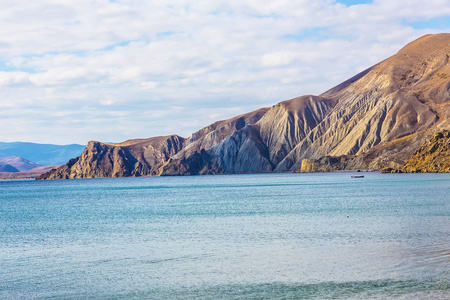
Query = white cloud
x=72 y=71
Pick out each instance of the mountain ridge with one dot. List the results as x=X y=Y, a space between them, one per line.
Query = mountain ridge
x=43 y=154
x=373 y=120
x=18 y=163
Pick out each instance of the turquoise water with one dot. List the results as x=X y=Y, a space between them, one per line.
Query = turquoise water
x=270 y=236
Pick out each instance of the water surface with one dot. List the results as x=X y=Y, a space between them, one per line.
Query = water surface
x=282 y=236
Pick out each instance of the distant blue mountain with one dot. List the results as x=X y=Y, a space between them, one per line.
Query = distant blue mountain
x=44 y=154
x=8 y=168
x=18 y=163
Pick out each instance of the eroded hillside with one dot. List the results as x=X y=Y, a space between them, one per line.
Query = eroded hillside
x=374 y=120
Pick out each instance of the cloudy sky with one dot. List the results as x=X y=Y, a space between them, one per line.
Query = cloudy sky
x=73 y=71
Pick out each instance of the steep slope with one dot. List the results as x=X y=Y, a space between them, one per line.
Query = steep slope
x=151 y=156
x=215 y=133
x=375 y=119
x=406 y=96
x=290 y=122
x=255 y=147
x=130 y=158
x=433 y=156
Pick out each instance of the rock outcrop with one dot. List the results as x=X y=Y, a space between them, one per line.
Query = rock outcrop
x=432 y=157
x=326 y=164
x=374 y=120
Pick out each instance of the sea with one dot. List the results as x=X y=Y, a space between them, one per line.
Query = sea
x=264 y=236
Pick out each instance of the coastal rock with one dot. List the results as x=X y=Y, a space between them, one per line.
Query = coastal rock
x=325 y=164
x=433 y=156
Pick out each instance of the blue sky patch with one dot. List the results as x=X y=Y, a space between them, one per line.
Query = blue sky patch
x=315 y=33
x=354 y=2
x=5 y=67
x=435 y=23
x=166 y=33
x=121 y=44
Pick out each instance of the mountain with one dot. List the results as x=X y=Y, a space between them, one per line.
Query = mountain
x=374 y=120
x=43 y=154
x=18 y=163
x=8 y=168
x=14 y=167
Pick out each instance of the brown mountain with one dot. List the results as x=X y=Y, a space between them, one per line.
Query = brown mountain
x=374 y=120
x=388 y=111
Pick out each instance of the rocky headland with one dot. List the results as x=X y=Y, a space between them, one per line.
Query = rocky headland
x=375 y=120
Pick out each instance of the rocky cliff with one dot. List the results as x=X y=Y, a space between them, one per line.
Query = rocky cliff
x=433 y=156
x=130 y=158
x=374 y=120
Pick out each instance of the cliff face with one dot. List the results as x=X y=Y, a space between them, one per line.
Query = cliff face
x=433 y=156
x=374 y=120
x=131 y=158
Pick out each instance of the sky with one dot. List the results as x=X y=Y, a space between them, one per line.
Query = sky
x=75 y=71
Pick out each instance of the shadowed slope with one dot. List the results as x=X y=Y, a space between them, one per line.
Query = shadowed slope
x=256 y=148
